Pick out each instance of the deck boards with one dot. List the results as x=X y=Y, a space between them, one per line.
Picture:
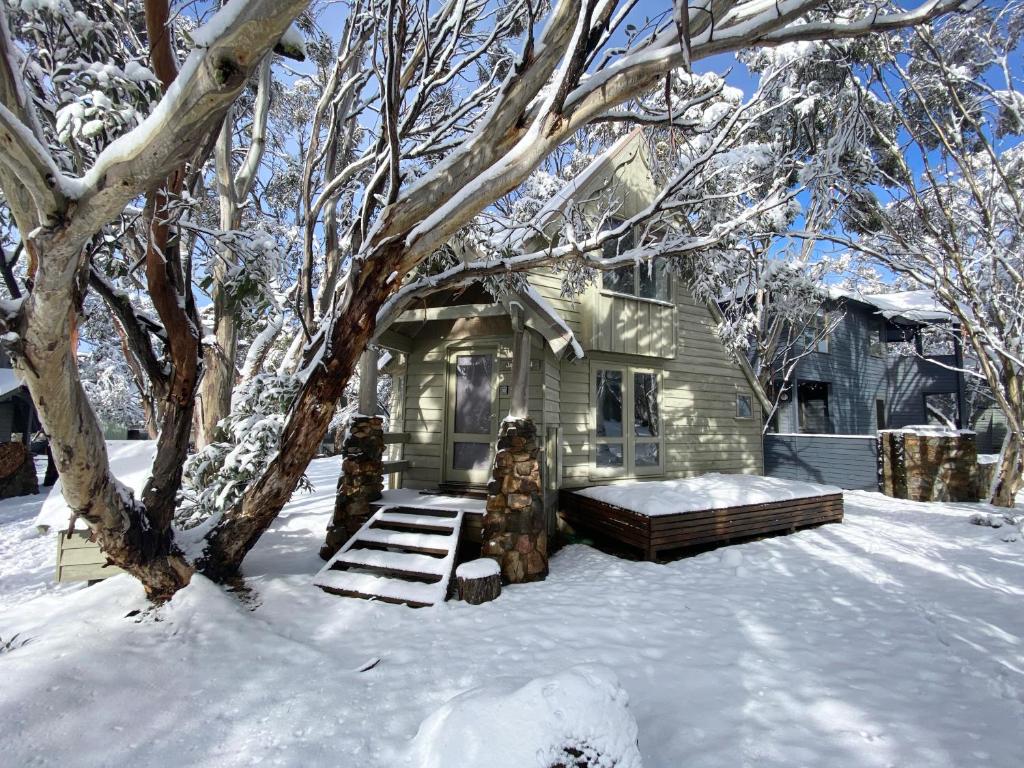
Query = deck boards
x=661 y=533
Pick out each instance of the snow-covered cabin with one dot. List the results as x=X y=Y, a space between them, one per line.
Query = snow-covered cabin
x=628 y=381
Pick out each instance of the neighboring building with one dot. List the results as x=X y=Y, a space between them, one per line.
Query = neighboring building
x=17 y=413
x=853 y=384
x=627 y=381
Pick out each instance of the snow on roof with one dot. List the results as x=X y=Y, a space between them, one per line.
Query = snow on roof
x=914 y=306
x=9 y=381
x=712 y=491
x=560 y=199
x=131 y=462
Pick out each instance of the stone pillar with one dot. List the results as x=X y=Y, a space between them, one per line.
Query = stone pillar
x=514 y=531
x=361 y=482
x=923 y=464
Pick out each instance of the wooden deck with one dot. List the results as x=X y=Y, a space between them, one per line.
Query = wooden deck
x=652 y=535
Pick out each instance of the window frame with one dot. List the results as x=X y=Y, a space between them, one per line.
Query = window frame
x=750 y=402
x=818 y=323
x=879 y=350
x=635 y=295
x=629 y=439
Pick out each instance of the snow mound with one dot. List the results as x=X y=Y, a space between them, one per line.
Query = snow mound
x=988 y=458
x=579 y=717
x=711 y=491
x=131 y=462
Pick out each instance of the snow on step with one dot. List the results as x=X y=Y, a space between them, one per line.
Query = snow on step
x=435 y=541
x=379 y=586
x=429 y=521
x=397 y=561
x=404 y=568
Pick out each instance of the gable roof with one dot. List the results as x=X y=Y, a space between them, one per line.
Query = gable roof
x=918 y=306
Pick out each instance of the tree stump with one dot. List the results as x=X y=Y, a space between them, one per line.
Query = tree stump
x=478 y=581
x=17 y=471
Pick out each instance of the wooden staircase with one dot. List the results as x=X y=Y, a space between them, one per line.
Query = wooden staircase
x=402 y=554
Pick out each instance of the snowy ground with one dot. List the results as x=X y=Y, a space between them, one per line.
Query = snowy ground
x=894 y=639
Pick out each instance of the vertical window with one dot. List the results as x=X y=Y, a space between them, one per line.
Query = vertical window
x=815 y=334
x=880 y=414
x=646 y=425
x=744 y=407
x=877 y=339
x=610 y=443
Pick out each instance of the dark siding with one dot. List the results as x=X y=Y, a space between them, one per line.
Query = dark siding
x=856 y=377
x=910 y=379
x=848 y=462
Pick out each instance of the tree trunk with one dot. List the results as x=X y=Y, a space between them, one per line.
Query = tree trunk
x=348 y=334
x=1010 y=472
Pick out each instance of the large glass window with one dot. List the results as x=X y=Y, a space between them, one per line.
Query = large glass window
x=646 y=280
x=812 y=397
x=628 y=440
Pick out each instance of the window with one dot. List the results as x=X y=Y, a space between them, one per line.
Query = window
x=880 y=414
x=627 y=439
x=648 y=280
x=877 y=340
x=940 y=409
x=815 y=335
x=812 y=399
x=744 y=407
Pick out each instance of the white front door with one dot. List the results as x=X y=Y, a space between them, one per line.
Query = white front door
x=471 y=420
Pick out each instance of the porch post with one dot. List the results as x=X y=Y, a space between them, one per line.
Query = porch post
x=368 y=383
x=514 y=531
x=520 y=367
x=362 y=476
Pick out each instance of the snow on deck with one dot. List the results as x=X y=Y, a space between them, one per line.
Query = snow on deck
x=712 y=491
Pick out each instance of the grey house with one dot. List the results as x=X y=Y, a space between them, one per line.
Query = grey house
x=874 y=371
x=17 y=413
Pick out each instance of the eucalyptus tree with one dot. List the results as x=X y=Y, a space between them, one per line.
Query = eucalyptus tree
x=435 y=110
x=944 y=111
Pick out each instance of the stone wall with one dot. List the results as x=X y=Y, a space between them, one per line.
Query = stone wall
x=514 y=531
x=17 y=471
x=928 y=467
x=361 y=482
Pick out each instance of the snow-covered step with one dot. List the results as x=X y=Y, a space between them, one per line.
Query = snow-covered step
x=416 y=522
x=427 y=543
x=414 y=564
x=365 y=585
x=382 y=563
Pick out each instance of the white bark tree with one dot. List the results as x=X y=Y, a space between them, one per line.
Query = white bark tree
x=946 y=209
x=411 y=150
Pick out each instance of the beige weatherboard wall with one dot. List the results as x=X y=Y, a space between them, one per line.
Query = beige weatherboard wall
x=663 y=348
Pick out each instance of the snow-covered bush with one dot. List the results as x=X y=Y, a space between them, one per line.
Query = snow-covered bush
x=216 y=476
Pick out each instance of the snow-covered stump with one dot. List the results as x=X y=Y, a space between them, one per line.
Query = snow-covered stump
x=514 y=530
x=923 y=463
x=361 y=482
x=478 y=581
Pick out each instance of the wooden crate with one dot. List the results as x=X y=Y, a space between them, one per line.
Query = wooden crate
x=79 y=559
x=662 y=533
